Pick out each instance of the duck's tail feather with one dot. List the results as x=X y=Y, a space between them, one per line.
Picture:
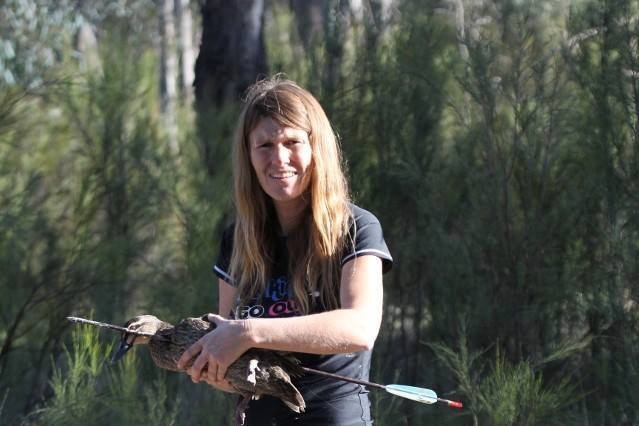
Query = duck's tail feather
x=294 y=400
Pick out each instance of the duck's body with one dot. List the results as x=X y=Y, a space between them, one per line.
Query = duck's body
x=255 y=373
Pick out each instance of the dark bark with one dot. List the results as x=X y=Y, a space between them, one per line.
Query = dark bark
x=309 y=19
x=232 y=53
x=232 y=56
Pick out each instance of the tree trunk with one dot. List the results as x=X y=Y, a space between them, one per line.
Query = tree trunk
x=186 y=51
x=86 y=43
x=232 y=56
x=309 y=19
x=168 y=73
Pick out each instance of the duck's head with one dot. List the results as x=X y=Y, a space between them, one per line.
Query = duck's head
x=147 y=324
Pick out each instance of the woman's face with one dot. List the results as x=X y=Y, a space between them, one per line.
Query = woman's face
x=281 y=157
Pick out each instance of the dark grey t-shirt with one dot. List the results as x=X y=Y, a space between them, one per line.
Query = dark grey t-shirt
x=320 y=393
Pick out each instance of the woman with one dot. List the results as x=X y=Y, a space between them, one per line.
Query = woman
x=301 y=268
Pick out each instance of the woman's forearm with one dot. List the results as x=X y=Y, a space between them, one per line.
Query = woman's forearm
x=352 y=328
x=338 y=331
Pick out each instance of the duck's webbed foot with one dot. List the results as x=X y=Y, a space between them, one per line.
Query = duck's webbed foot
x=240 y=409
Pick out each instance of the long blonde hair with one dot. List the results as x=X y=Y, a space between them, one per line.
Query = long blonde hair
x=314 y=248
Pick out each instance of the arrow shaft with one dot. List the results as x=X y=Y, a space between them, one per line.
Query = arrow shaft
x=448 y=402
x=343 y=378
x=107 y=325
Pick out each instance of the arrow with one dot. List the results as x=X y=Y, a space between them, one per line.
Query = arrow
x=107 y=325
x=423 y=395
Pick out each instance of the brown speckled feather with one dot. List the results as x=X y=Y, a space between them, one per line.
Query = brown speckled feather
x=170 y=341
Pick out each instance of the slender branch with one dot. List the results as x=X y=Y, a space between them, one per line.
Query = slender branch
x=107 y=325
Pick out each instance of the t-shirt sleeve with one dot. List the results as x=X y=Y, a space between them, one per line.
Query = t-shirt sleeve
x=368 y=239
x=222 y=265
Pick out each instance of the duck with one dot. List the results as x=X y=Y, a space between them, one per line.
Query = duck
x=255 y=373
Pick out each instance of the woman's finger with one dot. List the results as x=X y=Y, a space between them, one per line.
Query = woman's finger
x=216 y=319
x=192 y=351
x=220 y=373
x=196 y=369
x=212 y=373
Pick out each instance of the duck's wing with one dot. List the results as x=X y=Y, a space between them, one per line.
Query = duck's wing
x=188 y=331
x=168 y=344
x=287 y=360
x=262 y=372
x=285 y=363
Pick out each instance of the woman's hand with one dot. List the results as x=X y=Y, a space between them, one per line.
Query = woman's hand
x=217 y=350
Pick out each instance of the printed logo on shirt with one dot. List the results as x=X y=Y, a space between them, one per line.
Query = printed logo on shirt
x=276 y=302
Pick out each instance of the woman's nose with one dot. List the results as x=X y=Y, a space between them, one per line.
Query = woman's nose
x=281 y=154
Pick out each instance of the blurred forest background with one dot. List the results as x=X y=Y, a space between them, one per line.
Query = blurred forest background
x=497 y=141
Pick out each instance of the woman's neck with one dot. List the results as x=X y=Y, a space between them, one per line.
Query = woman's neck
x=290 y=214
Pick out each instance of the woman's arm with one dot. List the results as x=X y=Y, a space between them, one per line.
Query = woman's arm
x=226 y=298
x=351 y=328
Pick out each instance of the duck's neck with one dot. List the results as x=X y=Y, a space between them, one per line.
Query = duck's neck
x=141 y=340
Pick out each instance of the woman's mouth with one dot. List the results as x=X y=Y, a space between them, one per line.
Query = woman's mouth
x=282 y=175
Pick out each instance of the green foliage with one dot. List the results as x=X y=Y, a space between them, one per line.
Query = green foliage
x=155 y=401
x=86 y=393
x=75 y=385
x=125 y=192
x=515 y=395
x=4 y=400
x=498 y=147
x=500 y=393
x=85 y=185
x=33 y=37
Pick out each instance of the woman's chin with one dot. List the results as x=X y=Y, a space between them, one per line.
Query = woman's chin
x=287 y=200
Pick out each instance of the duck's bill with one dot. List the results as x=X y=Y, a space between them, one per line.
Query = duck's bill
x=120 y=351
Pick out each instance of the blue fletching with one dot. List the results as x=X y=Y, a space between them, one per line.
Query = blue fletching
x=426 y=396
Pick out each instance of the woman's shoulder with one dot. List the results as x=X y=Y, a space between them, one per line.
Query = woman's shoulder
x=361 y=216
x=366 y=237
x=226 y=246
x=229 y=230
